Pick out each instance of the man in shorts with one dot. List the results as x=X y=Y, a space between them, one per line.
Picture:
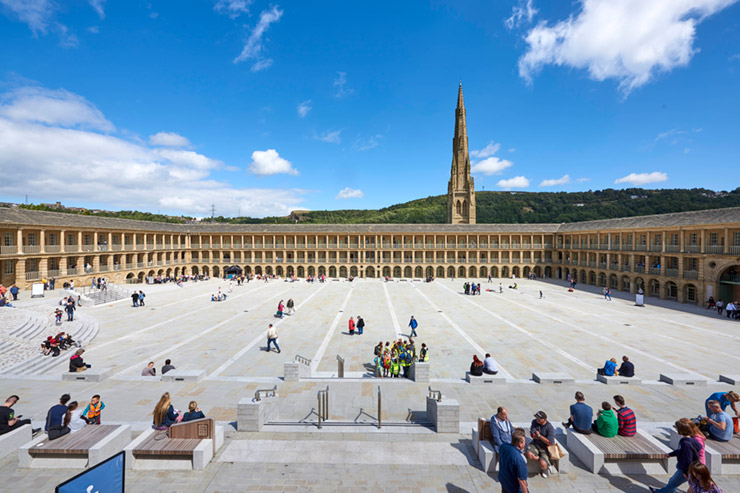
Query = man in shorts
x=542 y=436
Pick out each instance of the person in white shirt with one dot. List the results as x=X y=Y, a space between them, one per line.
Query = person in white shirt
x=73 y=418
x=489 y=365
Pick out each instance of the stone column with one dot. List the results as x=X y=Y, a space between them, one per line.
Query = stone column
x=42 y=241
x=19 y=240
x=727 y=241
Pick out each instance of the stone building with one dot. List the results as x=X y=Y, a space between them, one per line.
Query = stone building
x=461 y=187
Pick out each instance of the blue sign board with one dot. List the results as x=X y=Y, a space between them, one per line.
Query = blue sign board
x=106 y=477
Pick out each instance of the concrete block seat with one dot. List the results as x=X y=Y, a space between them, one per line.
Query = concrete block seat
x=731 y=379
x=721 y=457
x=617 y=380
x=86 y=447
x=485 y=379
x=683 y=379
x=639 y=454
x=483 y=448
x=90 y=375
x=184 y=376
x=552 y=378
x=10 y=442
x=184 y=446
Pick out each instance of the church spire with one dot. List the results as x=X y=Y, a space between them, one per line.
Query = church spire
x=461 y=189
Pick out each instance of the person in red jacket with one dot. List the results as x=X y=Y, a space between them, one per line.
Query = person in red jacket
x=351 y=326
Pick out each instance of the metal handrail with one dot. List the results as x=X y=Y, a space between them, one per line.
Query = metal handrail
x=267 y=393
x=435 y=394
x=301 y=359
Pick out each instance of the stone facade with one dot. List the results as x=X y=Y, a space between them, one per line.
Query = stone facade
x=461 y=187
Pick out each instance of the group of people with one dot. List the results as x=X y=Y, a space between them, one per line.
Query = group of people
x=471 y=288
x=165 y=414
x=609 y=423
x=626 y=369
x=487 y=366
x=150 y=371
x=13 y=292
x=281 y=308
x=359 y=325
x=390 y=359
x=54 y=345
x=732 y=309
x=69 y=416
x=137 y=298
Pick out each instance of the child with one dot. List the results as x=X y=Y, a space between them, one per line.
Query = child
x=92 y=411
x=58 y=316
x=193 y=413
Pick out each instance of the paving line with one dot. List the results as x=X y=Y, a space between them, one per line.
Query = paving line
x=258 y=339
x=325 y=343
x=194 y=338
x=501 y=370
x=528 y=334
x=608 y=339
x=393 y=313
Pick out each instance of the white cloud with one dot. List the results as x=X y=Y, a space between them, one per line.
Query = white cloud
x=491 y=149
x=516 y=182
x=331 y=137
x=168 y=139
x=232 y=8
x=626 y=40
x=94 y=29
x=643 y=178
x=555 y=182
x=36 y=13
x=524 y=11
x=304 y=108
x=341 y=84
x=114 y=172
x=490 y=166
x=369 y=143
x=583 y=180
x=269 y=162
x=253 y=48
x=52 y=107
x=350 y=193
x=97 y=6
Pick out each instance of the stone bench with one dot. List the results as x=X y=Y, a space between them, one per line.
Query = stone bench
x=639 y=454
x=10 y=442
x=683 y=379
x=184 y=446
x=731 y=379
x=721 y=457
x=420 y=371
x=484 y=379
x=552 y=378
x=84 y=448
x=184 y=376
x=90 y=375
x=617 y=380
x=483 y=448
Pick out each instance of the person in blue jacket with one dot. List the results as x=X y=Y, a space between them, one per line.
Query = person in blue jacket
x=164 y=413
x=501 y=428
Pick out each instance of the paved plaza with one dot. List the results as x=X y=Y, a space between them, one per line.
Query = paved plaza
x=571 y=333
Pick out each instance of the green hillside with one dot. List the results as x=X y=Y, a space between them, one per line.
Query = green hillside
x=493 y=207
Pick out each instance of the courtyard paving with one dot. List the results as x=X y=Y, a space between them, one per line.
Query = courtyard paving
x=562 y=332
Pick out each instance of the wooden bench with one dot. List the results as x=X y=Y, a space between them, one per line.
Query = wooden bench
x=485 y=379
x=86 y=447
x=483 y=448
x=10 y=442
x=639 y=454
x=721 y=457
x=188 y=446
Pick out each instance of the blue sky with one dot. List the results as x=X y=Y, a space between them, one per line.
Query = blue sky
x=261 y=108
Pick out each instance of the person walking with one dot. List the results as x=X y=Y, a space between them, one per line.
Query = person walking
x=135 y=298
x=70 y=309
x=291 y=306
x=141 y=298
x=14 y=291
x=351 y=326
x=360 y=325
x=512 y=466
x=280 y=309
x=272 y=338
x=686 y=453
x=413 y=324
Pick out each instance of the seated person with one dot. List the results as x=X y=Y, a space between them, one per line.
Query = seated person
x=56 y=414
x=581 y=415
x=167 y=366
x=625 y=417
x=725 y=399
x=501 y=428
x=626 y=369
x=50 y=346
x=606 y=423
x=213 y=297
x=76 y=364
x=610 y=368
x=8 y=420
x=193 y=413
x=476 y=367
x=543 y=435
x=4 y=302
x=165 y=414
x=720 y=423
x=73 y=418
x=489 y=365
x=149 y=371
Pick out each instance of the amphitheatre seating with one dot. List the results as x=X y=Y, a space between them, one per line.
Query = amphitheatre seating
x=189 y=445
x=485 y=379
x=483 y=448
x=10 y=442
x=553 y=378
x=640 y=454
x=86 y=447
x=683 y=379
x=617 y=380
x=721 y=457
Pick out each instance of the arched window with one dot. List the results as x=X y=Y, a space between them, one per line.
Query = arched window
x=465 y=207
x=458 y=207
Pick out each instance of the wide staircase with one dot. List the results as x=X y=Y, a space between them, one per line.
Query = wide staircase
x=108 y=295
